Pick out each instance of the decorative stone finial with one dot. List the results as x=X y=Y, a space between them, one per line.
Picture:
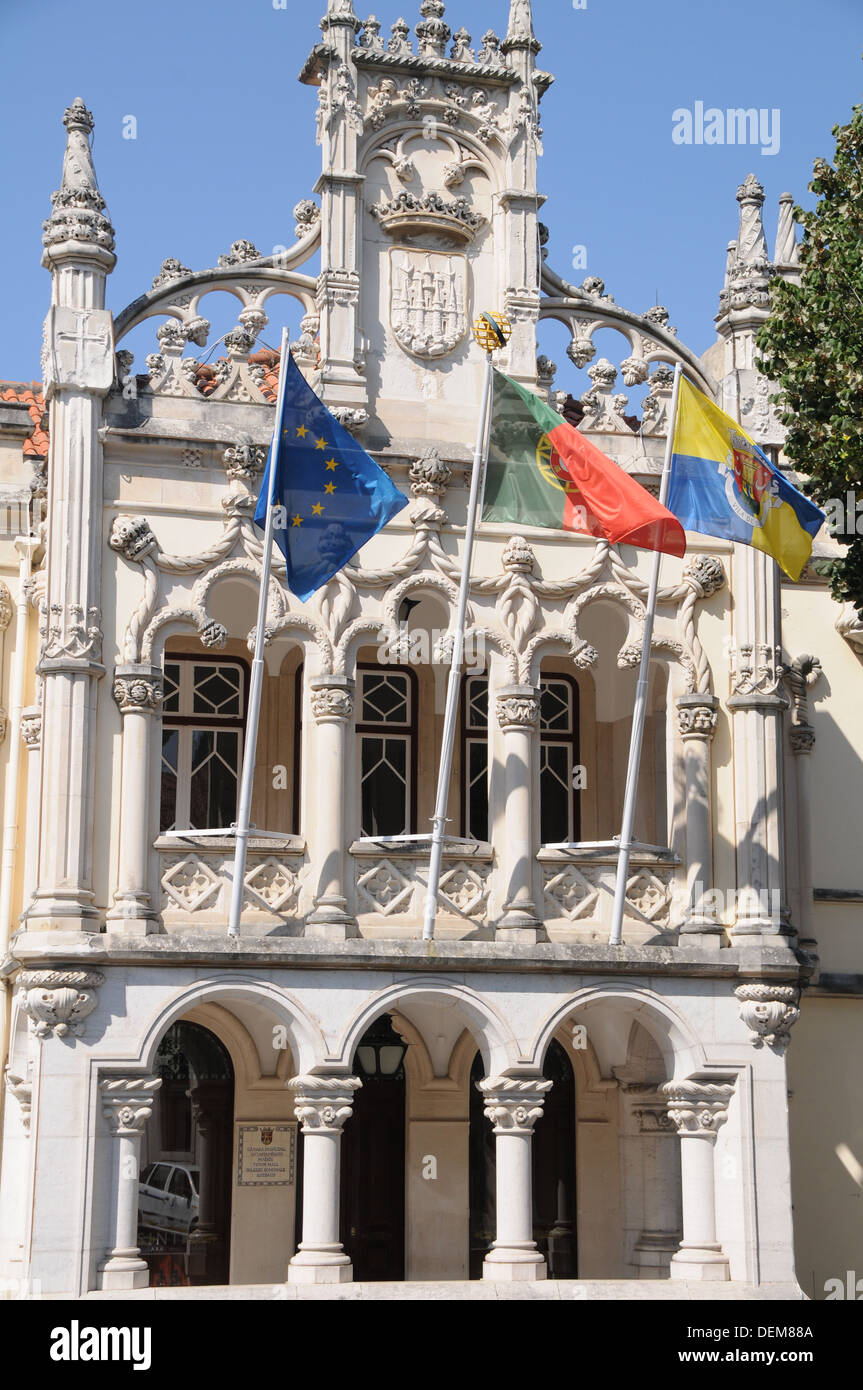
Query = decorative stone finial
x=748 y=271
x=79 y=208
x=751 y=244
x=786 y=252
x=461 y=49
x=432 y=31
x=400 y=43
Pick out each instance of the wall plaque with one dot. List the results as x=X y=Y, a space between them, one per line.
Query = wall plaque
x=265 y=1155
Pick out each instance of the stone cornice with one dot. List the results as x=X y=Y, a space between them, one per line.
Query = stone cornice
x=741 y=963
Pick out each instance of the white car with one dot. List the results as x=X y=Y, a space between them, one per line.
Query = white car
x=168 y=1197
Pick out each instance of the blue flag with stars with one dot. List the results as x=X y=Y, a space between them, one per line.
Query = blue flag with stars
x=330 y=495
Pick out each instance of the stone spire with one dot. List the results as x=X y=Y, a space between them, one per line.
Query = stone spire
x=786 y=253
x=748 y=270
x=79 y=208
x=520 y=33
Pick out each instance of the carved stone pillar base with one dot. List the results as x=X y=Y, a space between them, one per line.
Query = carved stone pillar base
x=124 y=1270
x=699 y=1265
x=320 y=1267
x=653 y=1253
x=506 y=1270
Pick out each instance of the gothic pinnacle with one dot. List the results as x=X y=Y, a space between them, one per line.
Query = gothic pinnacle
x=520 y=33
x=79 y=213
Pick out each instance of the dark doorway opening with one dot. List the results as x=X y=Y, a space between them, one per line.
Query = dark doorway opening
x=553 y=1164
x=184 y=1191
x=373 y=1159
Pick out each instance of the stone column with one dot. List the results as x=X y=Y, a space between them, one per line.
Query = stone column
x=698 y=1109
x=660 y=1235
x=332 y=706
x=322 y=1104
x=696 y=722
x=78 y=369
x=518 y=717
x=802 y=673
x=514 y=1106
x=31 y=733
x=127 y=1103
x=138 y=691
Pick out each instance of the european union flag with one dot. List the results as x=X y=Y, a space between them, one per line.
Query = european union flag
x=330 y=495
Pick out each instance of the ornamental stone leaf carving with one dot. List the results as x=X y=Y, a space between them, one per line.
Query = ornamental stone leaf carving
x=127 y=1103
x=58 y=1001
x=323 y=1103
x=332 y=702
x=517 y=711
x=513 y=1105
x=697 y=1108
x=769 y=1011
x=132 y=537
x=138 y=692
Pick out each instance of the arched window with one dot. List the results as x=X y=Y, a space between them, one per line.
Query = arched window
x=387 y=735
x=203 y=718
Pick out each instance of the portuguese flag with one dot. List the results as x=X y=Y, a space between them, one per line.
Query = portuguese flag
x=543 y=472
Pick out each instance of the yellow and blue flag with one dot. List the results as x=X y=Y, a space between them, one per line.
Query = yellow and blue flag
x=722 y=484
x=329 y=494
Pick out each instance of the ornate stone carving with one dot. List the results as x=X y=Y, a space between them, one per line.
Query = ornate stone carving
x=517 y=711
x=272 y=885
x=546 y=371
x=849 y=624
x=5 y=606
x=490 y=54
x=634 y=370
x=189 y=884
x=800 y=675
x=132 y=537
x=656 y=405
x=430 y=214
x=400 y=44
x=31 y=728
x=332 y=702
x=323 y=1102
x=649 y=894
x=696 y=716
x=245 y=461
x=513 y=1105
x=22 y=1089
x=343 y=99
x=430 y=475
x=370 y=36
x=581 y=350
x=66 y=632
x=518 y=556
x=705 y=574
x=171 y=269
x=213 y=635
x=569 y=892
x=697 y=1107
x=432 y=31
x=307 y=215
x=756 y=670
x=78 y=206
x=384 y=889
x=461 y=49
x=138 y=693
x=769 y=1012
x=127 y=1102
x=428 y=301
x=786 y=251
x=240 y=252
x=465 y=888
x=57 y=1001
x=351 y=418
x=603 y=410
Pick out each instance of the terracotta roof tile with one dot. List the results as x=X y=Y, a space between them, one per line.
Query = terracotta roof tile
x=30 y=393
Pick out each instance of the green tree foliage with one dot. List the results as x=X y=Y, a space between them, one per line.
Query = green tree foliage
x=812 y=348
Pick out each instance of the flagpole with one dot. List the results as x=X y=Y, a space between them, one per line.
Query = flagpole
x=640 y=711
x=477 y=485
x=244 y=808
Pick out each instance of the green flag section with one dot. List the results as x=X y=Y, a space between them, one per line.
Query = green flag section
x=543 y=472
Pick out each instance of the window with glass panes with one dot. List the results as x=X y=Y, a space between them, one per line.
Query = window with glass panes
x=386 y=730
x=203 y=714
x=475 y=758
x=560 y=819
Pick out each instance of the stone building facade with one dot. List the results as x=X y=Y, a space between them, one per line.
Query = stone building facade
x=517 y=1100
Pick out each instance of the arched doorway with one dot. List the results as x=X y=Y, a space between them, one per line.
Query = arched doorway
x=553 y=1164
x=184 y=1195
x=373 y=1159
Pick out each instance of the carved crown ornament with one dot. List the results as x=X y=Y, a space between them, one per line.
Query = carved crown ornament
x=410 y=215
x=769 y=1012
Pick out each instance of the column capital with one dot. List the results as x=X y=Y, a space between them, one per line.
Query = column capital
x=696 y=716
x=769 y=1011
x=517 y=707
x=138 y=689
x=127 y=1102
x=513 y=1104
x=31 y=727
x=697 y=1108
x=332 y=698
x=323 y=1103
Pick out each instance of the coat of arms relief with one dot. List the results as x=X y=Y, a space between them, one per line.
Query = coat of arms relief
x=428 y=300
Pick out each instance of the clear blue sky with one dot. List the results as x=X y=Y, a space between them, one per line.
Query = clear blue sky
x=225 y=133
